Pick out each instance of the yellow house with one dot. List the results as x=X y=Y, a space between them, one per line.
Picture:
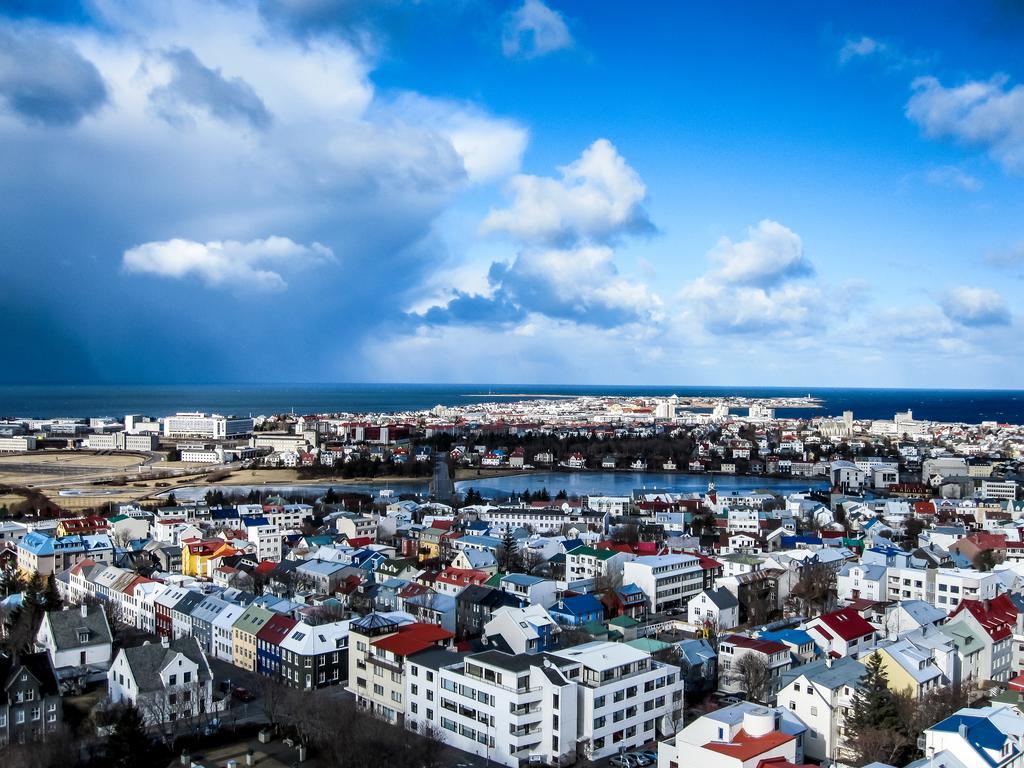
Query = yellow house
x=910 y=669
x=243 y=636
x=196 y=556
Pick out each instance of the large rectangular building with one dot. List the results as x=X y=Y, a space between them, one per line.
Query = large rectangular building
x=211 y=426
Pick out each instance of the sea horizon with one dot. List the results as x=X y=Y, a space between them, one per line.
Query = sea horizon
x=115 y=400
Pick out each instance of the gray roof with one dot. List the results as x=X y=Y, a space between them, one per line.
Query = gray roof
x=435 y=658
x=146 y=661
x=722 y=598
x=65 y=626
x=840 y=672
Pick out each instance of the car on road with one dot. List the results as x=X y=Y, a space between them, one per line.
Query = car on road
x=641 y=758
x=243 y=694
x=624 y=761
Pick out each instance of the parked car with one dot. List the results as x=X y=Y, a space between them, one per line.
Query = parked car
x=640 y=758
x=243 y=694
x=624 y=761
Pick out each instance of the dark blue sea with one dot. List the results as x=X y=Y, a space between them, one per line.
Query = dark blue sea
x=969 y=406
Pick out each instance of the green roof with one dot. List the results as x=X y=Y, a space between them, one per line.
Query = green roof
x=495 y=580
x=600 y=554
x=648 y=644
x=625 y=622
x=596 y=628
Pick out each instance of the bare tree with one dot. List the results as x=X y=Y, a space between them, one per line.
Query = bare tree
x=754 y=675
x=815 y=590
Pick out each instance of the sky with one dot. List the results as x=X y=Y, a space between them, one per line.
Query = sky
x=824 y=194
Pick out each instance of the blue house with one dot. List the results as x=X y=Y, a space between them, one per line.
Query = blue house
x=577 y=611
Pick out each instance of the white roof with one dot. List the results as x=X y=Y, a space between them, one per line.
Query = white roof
x=601 y=655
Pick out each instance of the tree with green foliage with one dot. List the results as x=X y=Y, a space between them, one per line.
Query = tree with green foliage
x=331 y=497
x=876 y=728
x=562 y=495
x=11 y=581
x=508 y=554
x=52 y=601
x=473 y=497
x=128 y=740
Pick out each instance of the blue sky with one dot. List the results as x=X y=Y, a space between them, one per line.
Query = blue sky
x=534 y=192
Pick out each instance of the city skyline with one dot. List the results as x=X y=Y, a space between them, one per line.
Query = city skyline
x=560 y=193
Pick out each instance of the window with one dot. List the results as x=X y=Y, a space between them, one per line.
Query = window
x=187 y=677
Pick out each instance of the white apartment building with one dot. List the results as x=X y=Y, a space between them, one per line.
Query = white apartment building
x=820 y=693
x=17 y=443
x=206 y=426
x=612 y=505
x=669 y=581
x=540 y=521
x=624 y=698
x=267 y=539
x=998 y=489
x=910 y=584
x=500 y=706
x=955 y=584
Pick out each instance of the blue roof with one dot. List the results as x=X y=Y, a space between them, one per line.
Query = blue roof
x=522 y=579
x=790 y=636
x=697 y=650
x=580 y=605
x=37 y=543
x=570 y=544
x=223 y=513
x=790 y=541
x=261 y=520
x=981 y=734
x=630 y=589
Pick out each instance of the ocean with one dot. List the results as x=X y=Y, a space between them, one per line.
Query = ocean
x=48 y=401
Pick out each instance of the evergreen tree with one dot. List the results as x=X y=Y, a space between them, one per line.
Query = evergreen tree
x=877 y=731
x=562 y=495
x=128 y=741
x=51 y=596
x=11 y=581
x=510 y=560
x=331 y=497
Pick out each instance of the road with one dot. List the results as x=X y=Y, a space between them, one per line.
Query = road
x=441 y=486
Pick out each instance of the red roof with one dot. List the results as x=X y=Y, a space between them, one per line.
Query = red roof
x=360 y=541
x=265 y=566
x=997 y=617
x=413 y=638
x=764 y=646
x=276 y=629
x=743 y=746
x=846 y=623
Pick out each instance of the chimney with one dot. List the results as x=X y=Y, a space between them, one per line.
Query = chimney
x=963 y=730
x=165 y=641
x=85 y=610
x=828 y=662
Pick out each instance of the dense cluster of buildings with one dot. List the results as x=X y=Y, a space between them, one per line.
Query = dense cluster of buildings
x=577 y=627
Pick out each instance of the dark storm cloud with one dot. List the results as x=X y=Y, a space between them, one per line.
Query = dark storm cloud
x=195 y=85
x=47 y=82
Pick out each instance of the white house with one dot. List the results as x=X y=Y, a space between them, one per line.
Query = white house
x=76 y=638
x=669 y=581
x=166 y=681
x=716 y=607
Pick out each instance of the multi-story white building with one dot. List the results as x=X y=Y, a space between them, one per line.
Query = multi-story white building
x=669 y=581
x=998 y=489
x=955 y=584
x=625 y=699
x=206 y=426
x=820 y=693
x=612 y=505
x=904 y=583
x=501 y=706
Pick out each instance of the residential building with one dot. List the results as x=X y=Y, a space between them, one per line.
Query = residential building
x=30 y=704
x=841 y=633
x=167 y=681
x=668 y=581
x=731 y=678
x=76 y=639
x=743 y=735
x=714 y=608
x=820 y=693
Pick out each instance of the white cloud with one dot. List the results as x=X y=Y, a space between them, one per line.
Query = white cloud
x=975 y=307
x=953 y=177
x=771 y=254
x=864 y=46
x=986 y=114
x=534 y=30
x=598 y=197
x=228 y=264
x=490 y=147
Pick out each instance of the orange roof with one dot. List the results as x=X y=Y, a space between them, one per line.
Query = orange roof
x=744 y=746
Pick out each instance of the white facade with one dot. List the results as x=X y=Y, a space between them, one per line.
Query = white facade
x=669 y=581
x=209 y=426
